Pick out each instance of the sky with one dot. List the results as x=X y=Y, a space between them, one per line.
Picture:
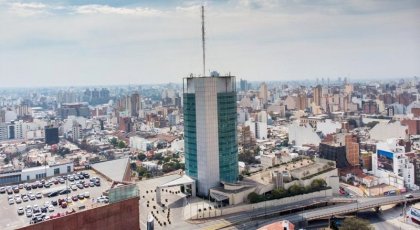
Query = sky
x=98 y=42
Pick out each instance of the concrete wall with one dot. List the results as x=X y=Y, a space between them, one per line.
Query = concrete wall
x=121 y=215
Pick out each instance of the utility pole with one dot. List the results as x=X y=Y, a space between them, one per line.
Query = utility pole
x=203 y=38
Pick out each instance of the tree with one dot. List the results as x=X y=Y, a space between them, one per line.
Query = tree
x=141 y=156
x=279 y=193
x=318 y=184
x=354 y=223
x=133 y=166
x=296 y=189
x=6 y=160
x=255 y=198
x=114 y=141
x=158 y=156
x=121 y=144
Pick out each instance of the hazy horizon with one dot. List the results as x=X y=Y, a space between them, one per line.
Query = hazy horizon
x=96 y=42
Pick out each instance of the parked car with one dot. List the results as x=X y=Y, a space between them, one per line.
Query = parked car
x=2 y=190
x=81 y=196
x=25 y=198
x=51 y=208
x=74 y=187
x=44 y=209
x=75 y=198
x=11 y=201
x=54 y=202
x=87 y=194
x=102 y=199
x=32 y=197
x=20 y=186
x=28 y=212
x=36 y=209
x=53 y=194
x=20 y=211
x=64 y=205
x=65 y=191
x=38 y=195
x=18 y=200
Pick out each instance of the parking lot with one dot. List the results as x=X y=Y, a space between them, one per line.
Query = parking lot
x=11 y=219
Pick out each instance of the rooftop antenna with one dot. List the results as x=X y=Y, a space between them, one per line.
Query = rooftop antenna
x=203 y=40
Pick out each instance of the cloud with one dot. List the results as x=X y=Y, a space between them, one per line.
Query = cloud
x=105 y=9
x=92 y=43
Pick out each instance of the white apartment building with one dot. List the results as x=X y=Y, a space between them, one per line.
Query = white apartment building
x=392 y=166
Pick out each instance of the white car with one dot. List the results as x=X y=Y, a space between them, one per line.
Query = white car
x=18 y=200
x=28 y=212
x=11 y=201
x=25 y=198
x=38 y=195
x=409 y=196
x=20 y=211
x=51 y=208
x=74 y=187
x=32 y=197
x=87 y=194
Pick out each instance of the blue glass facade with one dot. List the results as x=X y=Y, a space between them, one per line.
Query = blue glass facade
x=190 y=135
x=228 y=144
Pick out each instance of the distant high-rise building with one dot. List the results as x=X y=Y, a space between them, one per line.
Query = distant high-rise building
x=317 y=94
x=263 y=93
x=211 y=146
x=135 y=104
x=244 y=85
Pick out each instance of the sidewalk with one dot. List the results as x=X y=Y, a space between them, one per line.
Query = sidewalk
x=393 y=216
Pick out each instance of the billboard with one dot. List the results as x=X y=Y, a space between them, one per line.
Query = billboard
x=386 y=160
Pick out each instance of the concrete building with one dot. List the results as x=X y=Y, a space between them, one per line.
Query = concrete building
x=210 y=131
x=384 y=131
x=391 y=165
x=35 y=173
x=263 y=93
x=139 y=143
x=300 y=135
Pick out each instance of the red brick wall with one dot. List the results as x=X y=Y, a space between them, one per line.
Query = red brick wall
x=415 y=112
x=413 y=126
x=121 y=215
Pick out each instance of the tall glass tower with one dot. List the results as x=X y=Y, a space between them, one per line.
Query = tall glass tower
x=211 y=145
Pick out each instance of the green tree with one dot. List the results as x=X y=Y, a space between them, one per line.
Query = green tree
x=279 y=193
x=318 y=184
x=158 y=156
x=354 y=223
x=141 y=156
x=6 y=160
x=114 y=141
x=255 y=198
x=296 y=189
x=133 y=166
x=121 y=144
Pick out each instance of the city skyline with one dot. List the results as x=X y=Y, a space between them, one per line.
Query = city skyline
x=77 y=43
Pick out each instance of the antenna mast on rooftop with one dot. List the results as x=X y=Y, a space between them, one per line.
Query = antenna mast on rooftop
x=203 y=40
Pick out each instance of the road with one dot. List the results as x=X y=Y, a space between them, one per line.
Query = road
x=242 y=218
